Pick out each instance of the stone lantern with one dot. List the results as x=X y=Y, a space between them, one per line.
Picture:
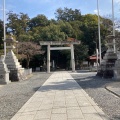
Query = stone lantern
x=106 y=68
x=16 y=70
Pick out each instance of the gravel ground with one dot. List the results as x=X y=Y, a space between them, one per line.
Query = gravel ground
x=95 y=87
x=14 y=95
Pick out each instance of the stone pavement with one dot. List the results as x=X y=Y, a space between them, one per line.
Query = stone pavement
x=60 y=98
x=1 y=85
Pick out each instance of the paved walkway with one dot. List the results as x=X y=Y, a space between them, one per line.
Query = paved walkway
x=60 y=98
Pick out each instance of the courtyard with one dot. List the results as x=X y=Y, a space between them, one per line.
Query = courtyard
x=15 y=97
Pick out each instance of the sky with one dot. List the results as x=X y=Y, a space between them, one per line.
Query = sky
x=48 y=7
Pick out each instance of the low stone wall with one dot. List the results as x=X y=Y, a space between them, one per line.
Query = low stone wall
x=19 y=74
x=28 y=71
x=117 y=74
x=117 y=70
x=93 y=69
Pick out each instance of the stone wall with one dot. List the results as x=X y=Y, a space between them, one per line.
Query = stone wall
x=117 y=70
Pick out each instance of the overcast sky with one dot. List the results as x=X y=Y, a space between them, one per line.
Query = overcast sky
x=48 y=7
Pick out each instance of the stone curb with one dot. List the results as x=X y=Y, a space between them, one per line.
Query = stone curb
x=107 y=88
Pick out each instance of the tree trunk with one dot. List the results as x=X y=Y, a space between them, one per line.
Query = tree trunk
x=28 y=62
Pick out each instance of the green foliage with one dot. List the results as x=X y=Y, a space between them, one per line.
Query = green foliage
x=17 y=23
x=89 y=27
x=90 y=20
x=52 y=33
x=40 y=20
x=81 y=52
x=77 y=31
x=68 y=14
x=25 y=37
x=67 y=29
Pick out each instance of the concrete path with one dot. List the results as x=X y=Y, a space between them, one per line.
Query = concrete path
x=60 y=98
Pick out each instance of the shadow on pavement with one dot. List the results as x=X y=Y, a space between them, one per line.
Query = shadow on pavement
x=67 y=85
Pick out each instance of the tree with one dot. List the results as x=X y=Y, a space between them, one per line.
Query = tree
x=81 y=52
x=17 y=24
x=89 y=27
x=52 y=33
x=68 y=14
x=40 y=20
x=24 y=20
x=25 y=37
x=28 y=50
x=78 y=33
x=67 y=29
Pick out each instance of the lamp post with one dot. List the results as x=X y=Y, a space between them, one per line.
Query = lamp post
x=113 y=26
x=99 y=31
x=4 y=28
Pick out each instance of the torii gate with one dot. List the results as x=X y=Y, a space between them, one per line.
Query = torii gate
x=71 y=43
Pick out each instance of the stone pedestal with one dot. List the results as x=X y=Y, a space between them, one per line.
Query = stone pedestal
x=17 y=73
x=117 y=70
x=4 y=73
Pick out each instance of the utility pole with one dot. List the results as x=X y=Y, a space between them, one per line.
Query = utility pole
x=99 y=31
x=113 y=26
x=4 y=28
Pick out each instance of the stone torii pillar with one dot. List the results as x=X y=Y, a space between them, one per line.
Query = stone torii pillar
x=48 y=58
x=72 y=58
